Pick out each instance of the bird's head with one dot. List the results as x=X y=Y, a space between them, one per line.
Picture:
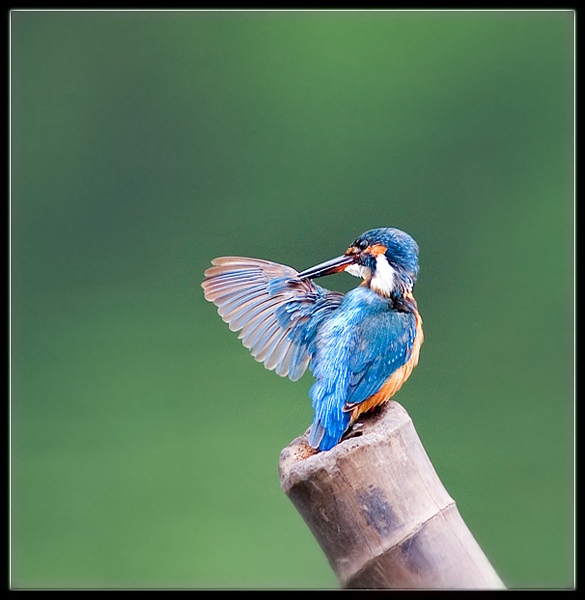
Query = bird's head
x=386 y=258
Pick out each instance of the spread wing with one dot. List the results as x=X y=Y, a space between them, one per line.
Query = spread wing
x=276 y=313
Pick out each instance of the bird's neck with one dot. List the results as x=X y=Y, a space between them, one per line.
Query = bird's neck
x=405 y=303
x=399 y=295
x=386 y=281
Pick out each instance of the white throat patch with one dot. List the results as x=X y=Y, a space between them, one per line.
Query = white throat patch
x=384 y=280
x=358 y=271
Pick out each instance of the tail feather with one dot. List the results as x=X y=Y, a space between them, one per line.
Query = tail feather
x=325 y=437
x=316 y=434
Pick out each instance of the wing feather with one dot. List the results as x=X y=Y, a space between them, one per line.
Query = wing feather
x=276 y=313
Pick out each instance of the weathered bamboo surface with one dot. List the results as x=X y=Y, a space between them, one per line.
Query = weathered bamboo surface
x=380 y=512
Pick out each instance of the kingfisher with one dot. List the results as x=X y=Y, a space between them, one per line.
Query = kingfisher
x=360 y=346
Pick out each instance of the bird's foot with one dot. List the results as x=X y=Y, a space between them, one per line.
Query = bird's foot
x=353 y=431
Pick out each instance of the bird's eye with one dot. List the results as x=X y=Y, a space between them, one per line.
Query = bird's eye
x=363 y=244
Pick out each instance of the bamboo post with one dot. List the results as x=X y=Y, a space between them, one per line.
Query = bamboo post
x=380 y=512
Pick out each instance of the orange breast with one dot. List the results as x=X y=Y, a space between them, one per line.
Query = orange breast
x=395 y=381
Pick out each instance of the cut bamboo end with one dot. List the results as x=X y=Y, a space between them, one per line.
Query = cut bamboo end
x=379 y=511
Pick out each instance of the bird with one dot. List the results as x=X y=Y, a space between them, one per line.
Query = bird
x=360 y=346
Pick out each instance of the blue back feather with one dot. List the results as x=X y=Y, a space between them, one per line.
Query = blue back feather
x=359 y=347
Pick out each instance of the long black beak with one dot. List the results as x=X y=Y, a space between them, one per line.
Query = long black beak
x=334 y=265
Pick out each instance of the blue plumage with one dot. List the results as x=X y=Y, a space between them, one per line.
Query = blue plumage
x=354 y=344
x=359 y=347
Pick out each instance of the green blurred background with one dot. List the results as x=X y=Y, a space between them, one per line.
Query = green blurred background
x=144 y=438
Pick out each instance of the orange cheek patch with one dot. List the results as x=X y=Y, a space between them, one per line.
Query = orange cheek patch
x=376 y=250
